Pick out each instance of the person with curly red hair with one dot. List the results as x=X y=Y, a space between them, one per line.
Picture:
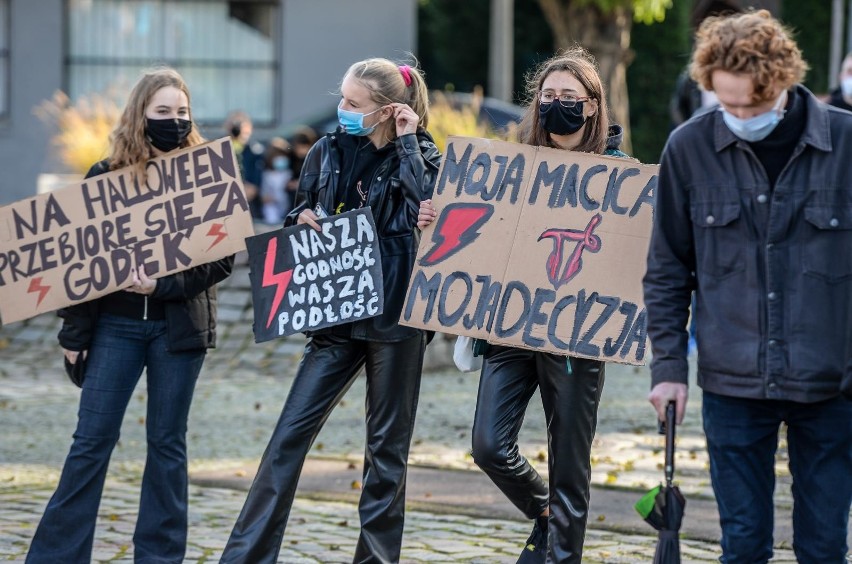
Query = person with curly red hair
x=754 y=214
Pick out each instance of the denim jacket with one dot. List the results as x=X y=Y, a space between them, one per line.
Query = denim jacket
x=771 y=267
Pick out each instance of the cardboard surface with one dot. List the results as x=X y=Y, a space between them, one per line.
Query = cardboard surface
x=303 y=280
x=80 y=242
x=537 y=248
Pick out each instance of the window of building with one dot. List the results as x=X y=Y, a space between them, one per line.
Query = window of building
x=4 y=58
x=226 y=50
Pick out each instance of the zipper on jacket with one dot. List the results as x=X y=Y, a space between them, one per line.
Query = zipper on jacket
x=145 y=310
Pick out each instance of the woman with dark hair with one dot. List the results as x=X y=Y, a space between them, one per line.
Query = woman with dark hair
x=567 y=110
x=161 y=326
x=380 y=157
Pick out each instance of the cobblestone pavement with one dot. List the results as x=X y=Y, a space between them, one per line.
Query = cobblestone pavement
x=237 y=401
x=317 y=532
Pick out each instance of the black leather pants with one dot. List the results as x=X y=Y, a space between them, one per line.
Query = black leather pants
x=327 y=370
x=509 y=378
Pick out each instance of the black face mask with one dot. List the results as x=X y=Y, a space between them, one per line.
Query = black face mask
x=559 y=120
x=167 y=134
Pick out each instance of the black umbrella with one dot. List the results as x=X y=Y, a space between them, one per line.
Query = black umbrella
x=663 y=506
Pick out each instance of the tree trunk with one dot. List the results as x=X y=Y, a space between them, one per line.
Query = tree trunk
x=607 y=37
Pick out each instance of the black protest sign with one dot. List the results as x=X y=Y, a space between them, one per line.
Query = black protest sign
x=81 y=242
x=537 y=248
x=304 y=280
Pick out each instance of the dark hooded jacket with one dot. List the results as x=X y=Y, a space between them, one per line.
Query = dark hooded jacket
x=615 y=136
x=836 y=100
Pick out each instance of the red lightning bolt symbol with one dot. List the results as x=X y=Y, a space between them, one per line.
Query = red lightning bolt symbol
x=217 y=230
x=36 y=286
x=457 y=227
x=271 y=278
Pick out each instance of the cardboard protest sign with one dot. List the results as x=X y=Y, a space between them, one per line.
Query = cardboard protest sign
x=80 y=242
x=304 y=280
x=537 y=248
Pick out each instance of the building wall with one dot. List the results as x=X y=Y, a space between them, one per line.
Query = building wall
x=35 y=57
x=320 y=39
x=323 y=37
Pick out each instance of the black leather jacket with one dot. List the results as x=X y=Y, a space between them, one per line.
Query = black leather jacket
x=406 y=177
x=188 y=299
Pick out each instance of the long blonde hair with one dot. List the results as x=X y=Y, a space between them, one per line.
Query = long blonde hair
x=386 y=82
x=128 y=142
x=582 y=65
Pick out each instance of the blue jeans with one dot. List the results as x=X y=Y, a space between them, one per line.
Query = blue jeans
x=742 y=437
x=121 y=349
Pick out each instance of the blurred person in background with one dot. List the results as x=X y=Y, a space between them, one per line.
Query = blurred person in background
x=841 y=97
x=688 y=97
x=250 y=155
x=277 y=198
x=300 y=143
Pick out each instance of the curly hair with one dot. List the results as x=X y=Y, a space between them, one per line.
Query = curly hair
x=753 y=43
x=130 y=146
x=583 y=66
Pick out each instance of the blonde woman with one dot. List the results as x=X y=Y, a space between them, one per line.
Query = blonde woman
x=380 y=157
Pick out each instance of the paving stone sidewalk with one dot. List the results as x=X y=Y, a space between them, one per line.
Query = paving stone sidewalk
x=237 y=402
x=318 y=532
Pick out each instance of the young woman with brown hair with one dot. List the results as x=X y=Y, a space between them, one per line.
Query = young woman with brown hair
x=161 y=326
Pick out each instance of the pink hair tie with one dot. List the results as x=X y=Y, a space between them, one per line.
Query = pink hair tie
x=405 y=71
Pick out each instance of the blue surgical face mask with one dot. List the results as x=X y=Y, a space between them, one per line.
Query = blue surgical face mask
x=758 y=127
x=846 y=86
x=280 y=163
x=353 y=122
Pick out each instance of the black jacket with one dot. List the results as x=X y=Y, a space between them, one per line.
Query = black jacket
x=771 y=267
x=406 y=177
x=836 y=100
x=188 y=299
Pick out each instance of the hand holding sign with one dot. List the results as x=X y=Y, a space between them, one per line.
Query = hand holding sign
x=308 y=217
x=84 y=241
x=320 y=273
x=140 y=283
x=537 y=248
x=426 y=215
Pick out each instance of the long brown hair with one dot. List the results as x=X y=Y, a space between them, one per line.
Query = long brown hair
x=582 y=65
x=386 y=81
x=129 y=144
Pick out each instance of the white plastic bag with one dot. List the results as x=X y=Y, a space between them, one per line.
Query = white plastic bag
x=463 y=355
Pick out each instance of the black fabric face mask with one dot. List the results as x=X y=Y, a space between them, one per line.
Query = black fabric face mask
x=167 y=134
x=559 y=120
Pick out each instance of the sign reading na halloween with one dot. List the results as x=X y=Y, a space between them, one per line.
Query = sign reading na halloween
x=537 y=248
x=303 y=279
x=80 y=242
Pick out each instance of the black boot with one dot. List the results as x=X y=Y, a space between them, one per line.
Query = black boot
x=535 y=551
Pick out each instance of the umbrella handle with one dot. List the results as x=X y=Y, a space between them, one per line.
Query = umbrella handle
x=670 y=442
